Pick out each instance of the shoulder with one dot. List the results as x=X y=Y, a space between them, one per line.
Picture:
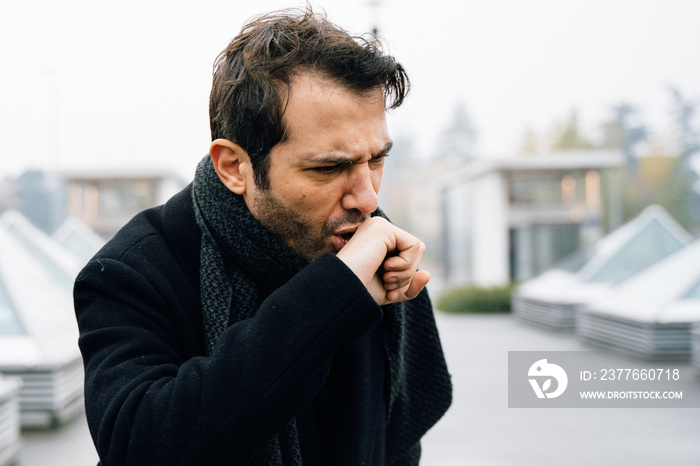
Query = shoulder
x=147 y=276
x=162 y=238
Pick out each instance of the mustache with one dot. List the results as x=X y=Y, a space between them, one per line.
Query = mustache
x=351 y=217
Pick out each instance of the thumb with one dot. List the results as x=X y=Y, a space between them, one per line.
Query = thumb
x=418 y=282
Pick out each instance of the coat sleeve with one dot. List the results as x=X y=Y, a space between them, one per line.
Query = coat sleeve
x=149 y=402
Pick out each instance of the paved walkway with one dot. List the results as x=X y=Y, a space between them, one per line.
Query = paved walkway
x=480 y=429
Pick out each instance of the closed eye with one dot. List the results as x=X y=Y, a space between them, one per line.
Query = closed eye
x=338 y=166
x=379 y=158
x=328 y=169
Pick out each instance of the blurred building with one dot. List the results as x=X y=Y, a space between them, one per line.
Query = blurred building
x=10 y=442
x=695 y=356
x=41 y=197
x=38 y=333
x=553 y=299
x=75 y=236
x=506 y=220
x=652 y=313
x=106 y=200
x=8 y=195
x=103 y=200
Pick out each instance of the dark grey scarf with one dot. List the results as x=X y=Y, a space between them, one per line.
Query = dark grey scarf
x=237 y=254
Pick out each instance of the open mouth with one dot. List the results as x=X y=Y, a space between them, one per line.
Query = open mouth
x=341 y=239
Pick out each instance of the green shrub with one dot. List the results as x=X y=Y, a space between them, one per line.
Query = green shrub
x=476 y=300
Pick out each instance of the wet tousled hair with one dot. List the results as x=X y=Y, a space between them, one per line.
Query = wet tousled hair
x=252 y=76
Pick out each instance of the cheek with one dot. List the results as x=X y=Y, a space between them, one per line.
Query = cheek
x=315 y=205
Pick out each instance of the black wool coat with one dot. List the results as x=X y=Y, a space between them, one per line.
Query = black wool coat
x=152 y=395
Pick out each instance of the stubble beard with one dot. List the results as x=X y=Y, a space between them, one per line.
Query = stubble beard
x=293 y=229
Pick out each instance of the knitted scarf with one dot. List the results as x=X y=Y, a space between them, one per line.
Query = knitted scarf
x=238 y=254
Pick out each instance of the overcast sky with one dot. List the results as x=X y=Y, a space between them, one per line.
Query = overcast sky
x=97 y=84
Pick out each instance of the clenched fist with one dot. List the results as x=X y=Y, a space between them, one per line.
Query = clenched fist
x=386 y=259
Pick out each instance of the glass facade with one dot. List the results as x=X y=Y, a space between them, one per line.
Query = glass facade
x=646 y=247
x=537 y=248
x=551 y=208
x=9 y=321
x=694 y=292
x=60 y=274
x=543 y=189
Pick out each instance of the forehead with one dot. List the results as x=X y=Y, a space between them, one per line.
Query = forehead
x=323 y=115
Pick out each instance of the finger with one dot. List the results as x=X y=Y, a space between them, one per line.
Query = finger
x=420 y=280
x=408 y=246
x=412 y=255
x=399 y=276
x=400 y=242
x=417 y=284
x=398 y=273
x=396 y=284
x=396 y=263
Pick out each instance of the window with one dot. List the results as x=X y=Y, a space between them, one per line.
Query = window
x=646 y=247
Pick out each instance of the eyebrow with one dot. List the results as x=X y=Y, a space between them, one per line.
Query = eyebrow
x=337 y=158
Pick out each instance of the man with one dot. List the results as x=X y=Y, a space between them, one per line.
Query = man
x=268 y=313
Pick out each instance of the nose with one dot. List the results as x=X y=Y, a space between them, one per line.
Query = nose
x=362 y=188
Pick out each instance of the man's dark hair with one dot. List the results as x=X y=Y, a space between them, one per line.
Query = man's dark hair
x=253 y=74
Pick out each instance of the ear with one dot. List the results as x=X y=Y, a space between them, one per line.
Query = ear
x=232 y=164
